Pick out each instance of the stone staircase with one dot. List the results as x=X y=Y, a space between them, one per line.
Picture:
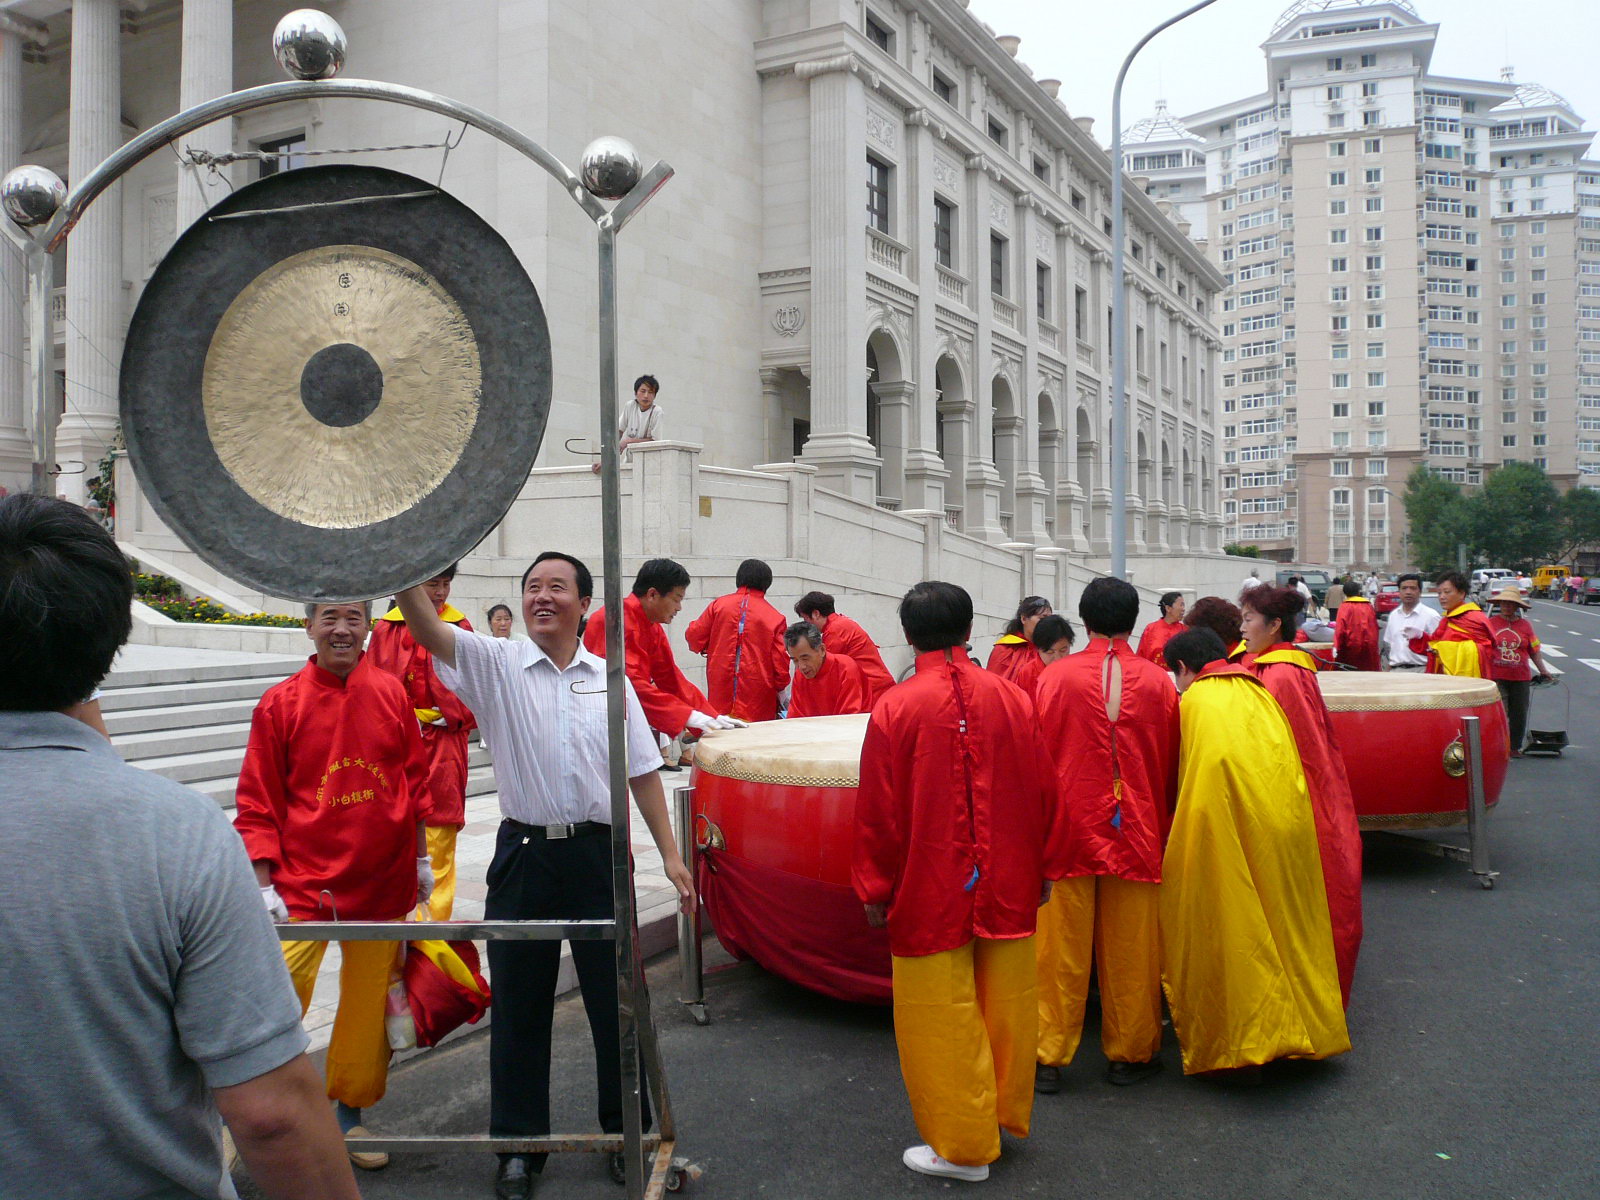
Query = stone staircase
x=191 y=723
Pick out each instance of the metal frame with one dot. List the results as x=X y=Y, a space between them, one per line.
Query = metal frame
x=690 y=968
x=633 y=1001
x=1476 y=852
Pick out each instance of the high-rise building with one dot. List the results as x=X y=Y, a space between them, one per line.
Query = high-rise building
x=1413 y=278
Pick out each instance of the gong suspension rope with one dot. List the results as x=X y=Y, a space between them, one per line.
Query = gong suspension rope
x=206 y=158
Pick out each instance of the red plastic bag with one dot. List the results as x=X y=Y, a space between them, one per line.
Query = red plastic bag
x=445 y=988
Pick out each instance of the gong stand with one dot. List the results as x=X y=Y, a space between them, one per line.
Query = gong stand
x=638 y=1035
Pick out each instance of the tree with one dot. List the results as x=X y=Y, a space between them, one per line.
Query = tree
x=1580 y=521
x=1437 y=514
x=1515 y=518
x=1246 y=551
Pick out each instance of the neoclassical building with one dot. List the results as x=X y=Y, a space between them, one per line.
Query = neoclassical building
x=885 y=254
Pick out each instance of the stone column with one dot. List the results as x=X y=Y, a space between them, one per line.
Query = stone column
x=15 y=454
x=838 y=446
x=981 y=508
x=896 y=426
x=94 y=257
x=926 y=474
x=1028 y=503
x=207 y=73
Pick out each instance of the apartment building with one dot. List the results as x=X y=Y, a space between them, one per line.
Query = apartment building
x=1406 y=258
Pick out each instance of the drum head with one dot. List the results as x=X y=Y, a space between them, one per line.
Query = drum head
x=336 y=383
x=804 y=752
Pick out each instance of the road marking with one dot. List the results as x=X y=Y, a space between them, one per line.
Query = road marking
x=1591 y=662
x=1552 y=651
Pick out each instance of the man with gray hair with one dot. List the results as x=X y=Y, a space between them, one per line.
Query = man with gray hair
x=332 y=803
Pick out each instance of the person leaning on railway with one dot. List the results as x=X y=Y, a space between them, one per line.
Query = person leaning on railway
x=543 y=706
x=143 y=989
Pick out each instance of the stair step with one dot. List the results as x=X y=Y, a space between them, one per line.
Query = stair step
x=179 y=716
x=170 y=695
x=271 y=668
x=190 y=768
x=175 y=743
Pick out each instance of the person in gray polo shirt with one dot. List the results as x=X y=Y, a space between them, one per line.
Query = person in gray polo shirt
x=142 y=989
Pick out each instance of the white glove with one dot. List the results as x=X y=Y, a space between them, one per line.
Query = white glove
x=276 y=908
x=424 y=879
x=699 y=720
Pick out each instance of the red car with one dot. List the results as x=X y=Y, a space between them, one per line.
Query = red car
x=1387 y=598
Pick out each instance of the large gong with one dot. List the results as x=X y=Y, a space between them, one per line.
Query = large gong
x=336 y=382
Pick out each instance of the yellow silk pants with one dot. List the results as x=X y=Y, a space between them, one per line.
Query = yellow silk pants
x=442 y=855
x=1114 y=924
x=966 y=1023
x=358 y=1050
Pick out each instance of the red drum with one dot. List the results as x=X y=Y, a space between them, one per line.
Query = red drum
x=1322 y=652
x=1404 y=747
x=775 y=804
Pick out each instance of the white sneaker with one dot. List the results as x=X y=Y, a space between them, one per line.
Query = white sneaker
x=922 y=1159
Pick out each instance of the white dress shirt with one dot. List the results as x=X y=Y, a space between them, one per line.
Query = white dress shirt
x=1400 y=628
x=545 y=728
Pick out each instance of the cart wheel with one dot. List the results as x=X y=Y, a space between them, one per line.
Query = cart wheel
x=1486 y=883
x=675 y=1179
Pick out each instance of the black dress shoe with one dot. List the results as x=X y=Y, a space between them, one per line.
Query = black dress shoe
x=1046 y=1080
x=515 y=1178
x=617 y=1167
x=1124 y=1073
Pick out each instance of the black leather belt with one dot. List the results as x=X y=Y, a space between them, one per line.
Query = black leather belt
x=554 y=833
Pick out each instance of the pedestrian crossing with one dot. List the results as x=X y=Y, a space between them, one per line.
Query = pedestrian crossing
x=1591 y=662
x=1552 y=651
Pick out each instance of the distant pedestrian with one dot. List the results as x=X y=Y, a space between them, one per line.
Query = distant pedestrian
x=641 y=417
x=1251 y=580
x=1334 y=596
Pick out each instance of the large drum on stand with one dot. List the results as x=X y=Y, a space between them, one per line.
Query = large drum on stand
x=1404 y=746
x=774 y=807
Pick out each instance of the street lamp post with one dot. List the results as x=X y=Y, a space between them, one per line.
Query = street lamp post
x=1119 y=314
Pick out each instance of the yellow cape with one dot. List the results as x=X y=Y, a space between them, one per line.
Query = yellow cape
x=1247 y=944
x=449 y=613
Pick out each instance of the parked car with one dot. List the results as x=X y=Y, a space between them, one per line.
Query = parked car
x=1317 y=581
x=1591 y=590
x=1387 y=599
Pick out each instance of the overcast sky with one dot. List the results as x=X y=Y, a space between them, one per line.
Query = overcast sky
x=1215 y=56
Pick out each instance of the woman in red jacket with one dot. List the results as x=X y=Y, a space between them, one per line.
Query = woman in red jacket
x=1014 y=651
x=1153 y=641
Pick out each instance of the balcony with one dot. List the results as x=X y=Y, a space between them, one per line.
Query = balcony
x=1049 y=336
x=1005 y=312
x=885 y=252
x=952 y=287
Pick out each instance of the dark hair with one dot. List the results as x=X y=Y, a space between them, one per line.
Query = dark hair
x=655 y=384
x=65 y=596
x=1281 y=604
x=1168 y=599
x=814 y=602
x=1220 y=616
x=663 y=574
x=1109 y=606
x=505 y=608
x=936 y=615
x=1051 y=630
x=1195 y=649
x=311 y=609
x=753 y=574
x=585 y=579
x=1412 y=576
x=1031 y=606
x=448 y=573
x=1455 y=579
x=802 y=631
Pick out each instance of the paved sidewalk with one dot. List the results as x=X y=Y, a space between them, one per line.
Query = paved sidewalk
x=657 y=901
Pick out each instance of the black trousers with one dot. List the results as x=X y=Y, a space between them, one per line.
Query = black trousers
x=534 y=879
x=1515 y=693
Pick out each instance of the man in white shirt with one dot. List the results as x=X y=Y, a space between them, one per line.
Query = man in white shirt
x=641 y=420
x=1410 y=621
x=1251 y=580
x=542 y=708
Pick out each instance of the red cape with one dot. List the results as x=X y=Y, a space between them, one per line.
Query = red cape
x=1294 y=685
x=1153 y=641
x=1465 y=623
x=955 y=830
x=741 y=636
x=1355 y=634
x=664 y=692
x=1117 y=781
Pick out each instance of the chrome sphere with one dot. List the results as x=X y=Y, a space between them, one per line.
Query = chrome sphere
x=30 y=195
x=610 y=167
x=309 y=44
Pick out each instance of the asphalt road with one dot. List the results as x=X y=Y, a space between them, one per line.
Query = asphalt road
x=1475 y=1071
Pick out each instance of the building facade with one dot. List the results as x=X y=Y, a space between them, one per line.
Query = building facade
x=1406 y=257
x=885 y=252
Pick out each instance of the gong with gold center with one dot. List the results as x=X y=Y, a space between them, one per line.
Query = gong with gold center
x=336 y=383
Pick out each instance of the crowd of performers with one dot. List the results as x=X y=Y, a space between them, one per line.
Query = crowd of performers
x=1020 y=827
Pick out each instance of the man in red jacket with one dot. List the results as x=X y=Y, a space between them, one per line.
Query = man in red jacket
x=958 y=833
x=671 y=703
x=1110 y=719
x=825 y=685
x=841 y=635
x=741 y=636
x=446 y=724
x=332 y=804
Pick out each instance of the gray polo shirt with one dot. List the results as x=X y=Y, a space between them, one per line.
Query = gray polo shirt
x=138 y=970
